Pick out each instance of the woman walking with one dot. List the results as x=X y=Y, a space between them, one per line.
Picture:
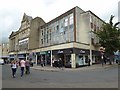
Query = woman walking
x=14 y=68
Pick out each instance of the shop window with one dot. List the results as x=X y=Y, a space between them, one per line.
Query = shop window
x=86 y=59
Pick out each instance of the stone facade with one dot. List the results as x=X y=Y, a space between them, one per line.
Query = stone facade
x=25 y=38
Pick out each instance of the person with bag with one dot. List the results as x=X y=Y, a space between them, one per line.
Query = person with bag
x=14 y=68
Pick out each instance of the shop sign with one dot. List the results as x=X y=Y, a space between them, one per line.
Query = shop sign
x=81 y=51
x=60 y=51
x=43 y=52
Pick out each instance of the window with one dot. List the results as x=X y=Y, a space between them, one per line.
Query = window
x=66 y=22
x=71 y=19
x=91 y=18
x=42 y=32
x=50 y=36
x=94 y=27
x=64 y=32
x=71 y=27
x=91 y=25
x=57 y=27
x=42 y=41
x=97 y=28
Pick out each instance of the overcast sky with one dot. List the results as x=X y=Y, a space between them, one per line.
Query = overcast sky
x=11 y=11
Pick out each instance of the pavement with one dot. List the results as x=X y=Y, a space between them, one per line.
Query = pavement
x=85 y=68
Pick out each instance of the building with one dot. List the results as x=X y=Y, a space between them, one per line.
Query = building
x=68 y=37
x=119 y=13
x=4 y=51
x=26 y=38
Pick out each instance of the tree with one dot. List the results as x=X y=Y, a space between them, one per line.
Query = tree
x=109 y=36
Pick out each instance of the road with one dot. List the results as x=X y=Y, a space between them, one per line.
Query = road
x=102 y=78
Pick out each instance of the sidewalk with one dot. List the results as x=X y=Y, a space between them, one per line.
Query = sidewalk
x=85 y=68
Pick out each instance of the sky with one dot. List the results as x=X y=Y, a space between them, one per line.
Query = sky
x=11 y=11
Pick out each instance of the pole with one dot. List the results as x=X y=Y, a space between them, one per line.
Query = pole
x=36 y=58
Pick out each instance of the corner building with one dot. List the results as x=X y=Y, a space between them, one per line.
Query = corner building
x=69 y=37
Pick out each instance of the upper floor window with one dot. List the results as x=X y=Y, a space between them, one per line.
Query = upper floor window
x=42 y=32
x=57 y=27
x=42 y=41
x=91 y=25
x=66 y=22
x=71 y=19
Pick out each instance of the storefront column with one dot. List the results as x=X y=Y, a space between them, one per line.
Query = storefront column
x=73 y=60
x=51 y=58
x=36 y=59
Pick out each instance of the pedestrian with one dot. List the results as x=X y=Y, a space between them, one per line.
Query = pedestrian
x=104 y=59
x=42 y=62
x=27 y=66
x=89 y=62
x=22 y=65
x=14 y=68
x=60 y=63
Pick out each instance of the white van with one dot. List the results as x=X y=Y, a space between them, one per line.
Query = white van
x=1 y=61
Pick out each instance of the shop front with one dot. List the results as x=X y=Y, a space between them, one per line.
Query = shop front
x=71 y=57
x=64 y=54
x=82 y=56
x=75 y=57
x=45 y=56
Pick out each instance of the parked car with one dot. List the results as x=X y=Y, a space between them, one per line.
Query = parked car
x=2 y=62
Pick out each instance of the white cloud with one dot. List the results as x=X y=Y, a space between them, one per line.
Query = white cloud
x=11 y=11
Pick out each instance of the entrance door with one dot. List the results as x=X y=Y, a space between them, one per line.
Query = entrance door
x=62 y=57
